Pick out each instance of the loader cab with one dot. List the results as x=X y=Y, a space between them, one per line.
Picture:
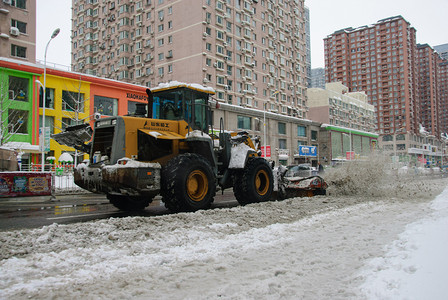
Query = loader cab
x=183 y=102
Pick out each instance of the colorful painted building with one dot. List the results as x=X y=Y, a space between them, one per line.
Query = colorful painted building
x=71 y=98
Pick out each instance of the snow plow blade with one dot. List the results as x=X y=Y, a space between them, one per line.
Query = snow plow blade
x=292 y=187
x=305 y=187
x=75 y=136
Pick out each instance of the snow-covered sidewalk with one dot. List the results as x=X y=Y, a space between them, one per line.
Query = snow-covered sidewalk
x=415 y=265
x=333 y=247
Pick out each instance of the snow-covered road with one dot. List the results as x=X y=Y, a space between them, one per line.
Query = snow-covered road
x=330 y=247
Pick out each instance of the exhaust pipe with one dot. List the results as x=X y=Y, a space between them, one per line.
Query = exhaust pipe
x=150 y=101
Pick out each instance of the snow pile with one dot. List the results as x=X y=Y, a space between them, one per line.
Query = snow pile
x=126 y=162
x=372 y=177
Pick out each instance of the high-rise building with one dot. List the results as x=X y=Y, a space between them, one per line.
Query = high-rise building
x=308 y=46
x=318 y=78
x=429 y=88
x=253 y=53
x=18 y=29
x=379 y=59
x=442 y=50
x=443 y=113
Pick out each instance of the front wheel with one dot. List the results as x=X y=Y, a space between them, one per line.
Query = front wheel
x=188 y=183
x=254 y=183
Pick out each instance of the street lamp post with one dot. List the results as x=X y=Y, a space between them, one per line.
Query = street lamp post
x=264 y=123
x=55 y=33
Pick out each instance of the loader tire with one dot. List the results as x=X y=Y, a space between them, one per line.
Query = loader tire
x=129 y=203
x=188 y=183
x=254 y=183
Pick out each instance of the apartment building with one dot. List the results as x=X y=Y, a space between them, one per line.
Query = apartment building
x=429 y=88
x=253 y=53
x=18 y=29
x=442 y=50
x=379 y=59
x=334 y=105
x=443 y=113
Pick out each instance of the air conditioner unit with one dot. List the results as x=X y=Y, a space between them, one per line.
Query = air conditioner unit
x=169 y=55
x=7 y=2
x=215 y=65
x=14 y=31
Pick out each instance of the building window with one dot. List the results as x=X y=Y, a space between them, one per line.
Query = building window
x=313 y=135
x=19 y=25
x=244 y=122
x=18 y=88
x=301 y=131
x=282 y=144
x=105 y=106
x=18 y=51
x=49 y=97
x=72 y=101
x=19 y=3
x=17 y=121
x=281 y=128
x=49 y=122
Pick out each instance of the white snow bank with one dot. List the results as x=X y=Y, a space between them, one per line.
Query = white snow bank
x=416 y=265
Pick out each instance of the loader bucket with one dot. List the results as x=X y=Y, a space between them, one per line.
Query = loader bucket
x=75 y=136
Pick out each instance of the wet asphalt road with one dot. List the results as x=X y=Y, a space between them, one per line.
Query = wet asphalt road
x=32 y=212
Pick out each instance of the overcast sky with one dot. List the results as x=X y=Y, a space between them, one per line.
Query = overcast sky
x=429 y=17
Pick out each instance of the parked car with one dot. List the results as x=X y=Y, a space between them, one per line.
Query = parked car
x=301 y=170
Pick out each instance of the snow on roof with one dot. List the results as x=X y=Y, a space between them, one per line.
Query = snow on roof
x=174 y=84
x=21 y=146
x=346 y=128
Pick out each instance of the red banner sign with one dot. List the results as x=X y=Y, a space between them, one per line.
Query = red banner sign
x=267 y=153
x=350 y=155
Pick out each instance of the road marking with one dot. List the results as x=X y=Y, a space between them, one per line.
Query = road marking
x=79 y=216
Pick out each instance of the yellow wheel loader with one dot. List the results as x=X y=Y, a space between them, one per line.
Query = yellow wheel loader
x=167 y=148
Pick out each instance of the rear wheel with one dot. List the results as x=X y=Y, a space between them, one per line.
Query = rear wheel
x=129 y=203
x=254 y=183
x=188 y=183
